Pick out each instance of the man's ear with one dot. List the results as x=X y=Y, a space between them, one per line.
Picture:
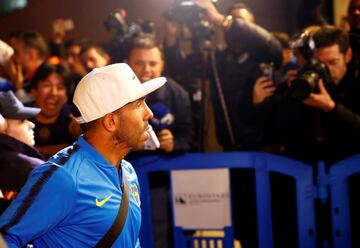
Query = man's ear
x=348 y=55
x=109 y=122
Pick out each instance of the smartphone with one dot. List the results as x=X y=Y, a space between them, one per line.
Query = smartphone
x=267 y=70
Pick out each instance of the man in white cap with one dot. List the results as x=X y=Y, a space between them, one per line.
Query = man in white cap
x=87 y=195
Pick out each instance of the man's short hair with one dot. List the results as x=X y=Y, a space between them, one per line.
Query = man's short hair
x=85 y=127
x=81 y=42
x=89 y=46
x=330 y=35
x=46 y=69
x=35 y=41
x=145 y=40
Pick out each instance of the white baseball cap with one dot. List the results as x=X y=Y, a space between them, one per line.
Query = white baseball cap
x=106 y=89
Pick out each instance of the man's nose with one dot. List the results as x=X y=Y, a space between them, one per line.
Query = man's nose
x=148 y=113
x=147 y=67
x=54 y=90
x=31 y=124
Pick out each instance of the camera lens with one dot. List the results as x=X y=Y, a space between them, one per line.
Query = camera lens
x=304 y=84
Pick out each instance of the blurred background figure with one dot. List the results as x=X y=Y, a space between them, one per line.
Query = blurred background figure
x=17 y=154
x=31 y=51
x=67 y=50
x=55 y=127
x=94 y=56
x=234 y=71
x=354 y=22
x=288 y=57
x=73 y=48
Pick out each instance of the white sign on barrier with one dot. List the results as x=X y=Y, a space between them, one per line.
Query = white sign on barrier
x=201 y=198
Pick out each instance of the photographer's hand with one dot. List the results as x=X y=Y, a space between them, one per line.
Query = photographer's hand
x=210 y=12
x=263 y=88
x=321 y=100
x=58 y=32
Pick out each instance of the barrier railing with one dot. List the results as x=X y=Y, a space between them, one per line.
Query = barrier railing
x=262 y=164
x=345 y=230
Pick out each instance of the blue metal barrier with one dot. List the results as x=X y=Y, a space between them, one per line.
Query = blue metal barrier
x=262 y=163
x=181 y=241
x=339 y=190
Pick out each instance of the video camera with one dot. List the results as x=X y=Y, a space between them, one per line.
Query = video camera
x=126 y=31
x=312 y=71
x=188 y=13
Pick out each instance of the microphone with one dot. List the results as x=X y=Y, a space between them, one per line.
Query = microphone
x=162 y=116
x=153 y=142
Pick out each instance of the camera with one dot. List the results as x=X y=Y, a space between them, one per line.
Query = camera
x=188 y=13
x=308 y=78
x=311 y=72
x=267 y=70
x=126 y=31
x=185 y=12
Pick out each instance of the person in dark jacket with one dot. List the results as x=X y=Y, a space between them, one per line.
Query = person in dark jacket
x=17 y=155
x=326 y=125
x=354 y=21
x=234 y=72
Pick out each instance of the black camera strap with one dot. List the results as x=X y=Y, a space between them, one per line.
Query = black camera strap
x=222 y=99
x=116 y=228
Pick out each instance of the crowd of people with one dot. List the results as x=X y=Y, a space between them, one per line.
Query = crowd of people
x=265 y=92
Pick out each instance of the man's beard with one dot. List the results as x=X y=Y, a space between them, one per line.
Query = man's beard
x=117 y=138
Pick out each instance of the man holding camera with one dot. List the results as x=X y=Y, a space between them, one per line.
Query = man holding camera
x=326 y=125
x=234 y=72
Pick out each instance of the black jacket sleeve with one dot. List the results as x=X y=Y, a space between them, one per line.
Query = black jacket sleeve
x=248 y=37
x=349 y=118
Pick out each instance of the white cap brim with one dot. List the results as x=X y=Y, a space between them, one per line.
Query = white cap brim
x=150 y=86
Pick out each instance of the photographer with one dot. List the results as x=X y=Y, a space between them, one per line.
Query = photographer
x=234 y=73
x=326 y=124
